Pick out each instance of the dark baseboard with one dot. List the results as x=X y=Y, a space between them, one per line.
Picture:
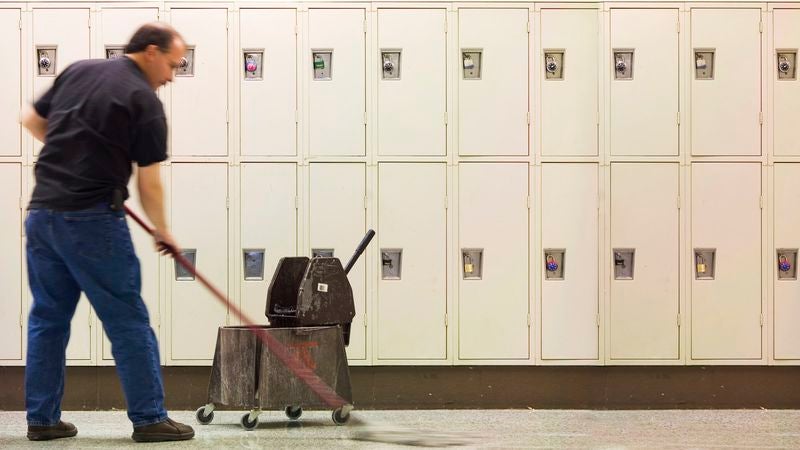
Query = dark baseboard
x=495 y=387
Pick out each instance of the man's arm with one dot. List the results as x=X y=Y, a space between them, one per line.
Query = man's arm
x=35 y=123
x=151 y=196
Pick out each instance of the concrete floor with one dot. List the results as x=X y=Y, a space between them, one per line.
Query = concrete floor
x=470 y=428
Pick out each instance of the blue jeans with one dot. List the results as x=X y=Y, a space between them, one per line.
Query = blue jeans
x=89 y=251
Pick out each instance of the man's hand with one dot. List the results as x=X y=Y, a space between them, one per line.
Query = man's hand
x=165 y=243
x=35 y=123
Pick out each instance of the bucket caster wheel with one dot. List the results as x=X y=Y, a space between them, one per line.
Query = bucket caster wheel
x=202 y=417
x=293 y=412
x=340 y=417
x=249 y=423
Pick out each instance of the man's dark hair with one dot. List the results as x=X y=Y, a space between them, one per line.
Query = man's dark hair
x=156 y=33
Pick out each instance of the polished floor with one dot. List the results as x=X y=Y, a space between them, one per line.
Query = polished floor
x=759 y=429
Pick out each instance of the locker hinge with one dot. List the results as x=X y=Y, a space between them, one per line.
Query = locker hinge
x=20 y=320
x=296 y=29
x=446 y=202
x=89 y=23
x=446 y=321
x=528 y=117
x=365 y=25
x=679 y=202
x=21 y=206
x=598 y=320
x=20 y=23
x=528 y=202
x=227 y=116
x=445 y=24
x=227 y=203
x=761 y=27
x=90 y=320
x=365 y=321
x=761 y=202
x=529 y=320
x=296 y=202
x=296 y=116
x=678 y=26
x=678 y=115
x=445 y=117
x=529 y=27
x=365 y=117
x=760 y=117
x=227 y=22
x=366 y=202
x=761 y=320
x=679 y=320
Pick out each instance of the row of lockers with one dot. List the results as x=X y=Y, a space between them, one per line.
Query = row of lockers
x=513 y=81
x=477 y=263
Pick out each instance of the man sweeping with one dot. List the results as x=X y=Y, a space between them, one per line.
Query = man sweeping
x=99 y=117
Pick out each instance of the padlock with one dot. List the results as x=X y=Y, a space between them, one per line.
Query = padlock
x=468 y=267
x=783 y=264
x=250 y=65
x=319 y=63
x=618 y=260
x=700 y=63
x=552 y=265
x=469 y=64
x=386 y=260
x=701 y=265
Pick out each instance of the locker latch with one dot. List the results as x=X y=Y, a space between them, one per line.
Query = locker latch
x=554 y=64
x=472 y=66
x=46 y=61
x=253 y=260
x=554 y=263
x=114 y=52
x=787 y=264
x=181 y=273
x=186 y=65
x=704 y=64
x=252 y=64
x=472 y=262
x=391 y=64
x=623 y=64
x=391 y=264
x=322 y=63
x=623 y=263
x=705 y=262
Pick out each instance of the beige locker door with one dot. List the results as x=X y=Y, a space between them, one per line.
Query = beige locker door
x=119 y=24
x=148 y=265
x=412 y=289
x=412 y=103
x=726 y=216
x=269 y=102
x=79 y=349
x=493 y=109
x=10 y=79
x=493 y=303
x=786 y=95
x=787 y=236
x=11 y=261
x=199 y=222
x=725 y=109
x=337 y=106
x=117 y=27
x=643 y=322
x=338 y=222
x=570 y=105
x=199 y=118
x=66 y=30
x=569 y=318
x=644 y=99
x=268 y=227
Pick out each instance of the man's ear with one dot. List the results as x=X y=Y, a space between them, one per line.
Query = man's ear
x=151 y=51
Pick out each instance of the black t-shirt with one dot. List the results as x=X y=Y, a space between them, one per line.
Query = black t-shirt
x=102 y=115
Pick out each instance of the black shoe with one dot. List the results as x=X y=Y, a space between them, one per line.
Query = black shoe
x=168 y=430
x=57 y=431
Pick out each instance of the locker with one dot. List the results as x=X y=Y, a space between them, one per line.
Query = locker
x=786 y=91
x=726 y=299
x=787 y=236
x=569 y=224
x=412 y=103
x=570 y=103
x=337 y=103
x=200 y=223
x=119 y=24
x=493 y=303
x=10 y=52
x=268 y=230
x=412 y=238
x=493 y=105
x=337 y=216
x=644 y=89
x=63 y=36
x=199 y=118
x=645 y=304
x=726 y=96
x=269 y=101
x=11 y=309
x=148 y=265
